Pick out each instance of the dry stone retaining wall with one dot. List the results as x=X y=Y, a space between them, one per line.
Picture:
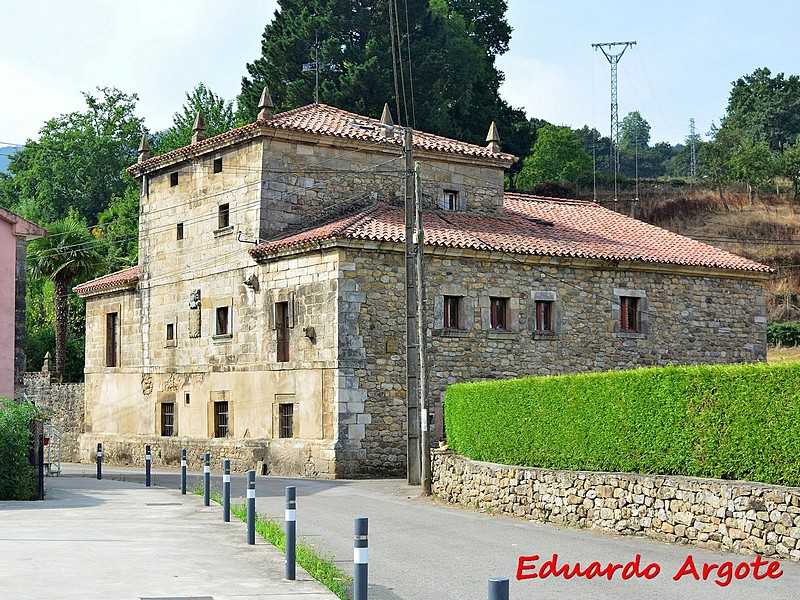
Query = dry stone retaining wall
x=738 y=516
x=63 y=405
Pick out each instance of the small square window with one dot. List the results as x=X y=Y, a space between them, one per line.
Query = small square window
x=217 y=165
x=168 y=419
x=499 y=317
x=629 y=314
x=544 y=315
x=452 y=312
x=224 y=216
x=170 y=332
x=223 y=321
x=450 y=200
x=179 y=231
x=220 y=419
x=286 y=420
x=173 y=179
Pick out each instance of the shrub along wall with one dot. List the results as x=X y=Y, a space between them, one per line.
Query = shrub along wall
x=17 y=480
x=727 y=422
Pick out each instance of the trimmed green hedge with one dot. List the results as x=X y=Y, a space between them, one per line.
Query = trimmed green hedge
x=724 y=421
x=784 y=334
x=16 y=473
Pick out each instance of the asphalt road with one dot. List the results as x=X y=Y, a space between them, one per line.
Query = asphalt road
x=420 y=549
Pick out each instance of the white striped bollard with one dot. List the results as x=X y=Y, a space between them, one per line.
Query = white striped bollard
x=498 y=588
x=207 y=479
x=183 y=471
x=360 y=558
x=251 y=507
x=147 y=459
x=226 y=490
x=290 y=526
x=99 y=460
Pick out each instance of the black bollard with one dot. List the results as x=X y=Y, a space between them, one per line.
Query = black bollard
x=147 y=459
x=498 y=589
x=99 y=460
x=226 y=490
x=251 y=507
x=290 y=528
x=207 y=480
x=360 y=559
x=183 y=471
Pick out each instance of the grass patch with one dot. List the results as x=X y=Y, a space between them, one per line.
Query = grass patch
x=783 y=354
x=319 y=567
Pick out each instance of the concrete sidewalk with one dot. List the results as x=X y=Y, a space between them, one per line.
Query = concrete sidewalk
x=113 y=540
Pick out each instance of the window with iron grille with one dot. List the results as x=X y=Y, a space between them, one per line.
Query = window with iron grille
x=282 y=330
x=224 y=216
x=112 y=339
x=221 y=419
x=629 y=314
x=544 y=315
x=286 y=420
x=452 y=312
x=499 y=319
x=168 y=419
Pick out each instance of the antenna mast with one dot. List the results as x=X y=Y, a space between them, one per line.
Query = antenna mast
x=314 y=66
x=613 y=60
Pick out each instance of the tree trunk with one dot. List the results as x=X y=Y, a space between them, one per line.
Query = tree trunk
x=751 y=194
x=61 y=288
x=721 y=195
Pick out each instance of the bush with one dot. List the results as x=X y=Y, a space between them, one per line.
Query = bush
x=725 y=421
x=16 y=473
x=784 y=334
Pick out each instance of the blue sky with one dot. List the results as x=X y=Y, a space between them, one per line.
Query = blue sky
x=686 y=57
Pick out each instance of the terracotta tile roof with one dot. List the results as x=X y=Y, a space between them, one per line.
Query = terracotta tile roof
x=530 y=225
x=125 y=277
x=322 y=119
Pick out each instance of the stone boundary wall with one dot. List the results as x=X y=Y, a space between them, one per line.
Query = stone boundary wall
x=64 y=407
x=263 y=455
x=738 y=516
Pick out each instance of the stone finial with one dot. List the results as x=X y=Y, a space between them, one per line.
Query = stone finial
x=493 y=137
x=47 y=367
x=265 y=105
x=386 y=116
x=199 y=128
x=144 y=148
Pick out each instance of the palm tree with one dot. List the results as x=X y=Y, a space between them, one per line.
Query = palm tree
x=68 y=252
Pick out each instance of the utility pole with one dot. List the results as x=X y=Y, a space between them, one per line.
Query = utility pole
x=613 y=60
x=412 y=320
x=425 y=439
x=693 y=137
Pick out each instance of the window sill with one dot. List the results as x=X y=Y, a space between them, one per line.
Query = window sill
x=544 y=335
x=453 y=333
x=631 y=335
x=223 y=231
x=171 y=344
x=222 y=338
x=502 y=334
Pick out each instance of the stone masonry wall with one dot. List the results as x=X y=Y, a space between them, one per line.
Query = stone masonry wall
x=64 y=406
x=737 y=516
x=686 y=319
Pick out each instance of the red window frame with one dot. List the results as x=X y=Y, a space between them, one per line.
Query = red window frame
x=629 y=314
x=544 y=315
x=499 y=313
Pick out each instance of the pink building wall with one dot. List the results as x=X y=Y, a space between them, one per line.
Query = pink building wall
x=14 y=232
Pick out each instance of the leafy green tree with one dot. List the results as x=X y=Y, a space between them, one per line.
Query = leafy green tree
x=714 y=159
x=596 y=145
x=753 y=164
x=455 y=79
x=556 y=156
x=118 y=230
x=69 y=252
x=218 y=114
x=766 y=108
x=634 y=130
x=790 y=165
x=78 y=161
